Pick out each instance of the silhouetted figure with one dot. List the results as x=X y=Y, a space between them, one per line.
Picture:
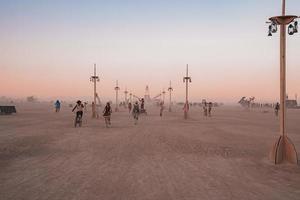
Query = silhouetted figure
x=57 y=106
x=161 y=108
x=107 y=114
x=277 y=107
x=136 y=112
x=142 y=104
x=129 y=107
x=143 y=110
x=205 y=109
x=209 y=108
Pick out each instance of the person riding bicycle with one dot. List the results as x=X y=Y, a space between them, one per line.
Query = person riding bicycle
x=79 y=109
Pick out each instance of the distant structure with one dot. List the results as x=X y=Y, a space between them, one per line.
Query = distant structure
x=94 y=79
x=117 y=88
x=246 y=102
x=137 y=97
x=186 y=80
x=155 y=98
x=170 y=89
x=147 y=94
x=31 y=99
x=291 y=103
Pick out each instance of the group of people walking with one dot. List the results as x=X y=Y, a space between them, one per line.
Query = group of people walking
x=207 y=109
x=135 y=109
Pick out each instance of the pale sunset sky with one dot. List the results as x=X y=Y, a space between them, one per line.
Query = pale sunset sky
x=48 y=48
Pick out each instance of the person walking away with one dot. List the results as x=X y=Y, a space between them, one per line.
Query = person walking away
x=57 y=106
x=107 y=114
x=161 y=108
x=143 y=110
x=142 y=104
x=209 y=108
x=136 y=112
x=129 y=107
x=205 y=109
x=277 y=107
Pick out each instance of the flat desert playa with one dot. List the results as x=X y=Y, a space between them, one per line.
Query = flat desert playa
x=42 y=155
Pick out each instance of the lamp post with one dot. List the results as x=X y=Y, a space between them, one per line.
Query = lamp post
x=186 y=80
x=283 y=149
x=94 y=79
x=170 y=89
x=164 y=93
x=130 y=97
x=126 y=101
x=117 y=88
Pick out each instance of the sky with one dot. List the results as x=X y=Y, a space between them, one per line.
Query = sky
x=48 y=48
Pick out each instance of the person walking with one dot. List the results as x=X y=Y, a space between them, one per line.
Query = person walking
x=277 y=107
x=205 y=109
x=209 y=108
x=107 y=114
x=129 y=107
x=161 y=108
x=57 y=106
x=136 y=112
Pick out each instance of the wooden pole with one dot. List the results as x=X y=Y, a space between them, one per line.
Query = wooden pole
x=126 y=92
x=95 y=87
x=282 y=115
x=94 y=79
x=170 y=96
x=186 y=85
x=163 y=92
x=186 y=79
x=117 y=93
x=283 y=149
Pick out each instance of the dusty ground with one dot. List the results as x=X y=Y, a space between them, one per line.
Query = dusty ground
x=42 y=156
